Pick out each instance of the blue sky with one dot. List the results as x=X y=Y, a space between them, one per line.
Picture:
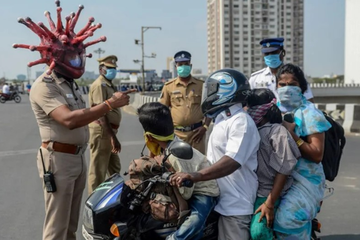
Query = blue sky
x=183 y=28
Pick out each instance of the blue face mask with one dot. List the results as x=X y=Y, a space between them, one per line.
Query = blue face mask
x=110 y=74
x=76 y=62
x=290 y=97
x=273 y=61
x=183 y=71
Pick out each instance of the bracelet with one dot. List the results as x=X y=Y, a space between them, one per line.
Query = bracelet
x=107 y=103
x=299 y=142
x=206 y=127
x=267 y=206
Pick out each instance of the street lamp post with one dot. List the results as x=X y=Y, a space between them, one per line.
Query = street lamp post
x=99 y=51
x=144 y=29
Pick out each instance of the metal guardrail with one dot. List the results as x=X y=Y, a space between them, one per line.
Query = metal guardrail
x=334 y=85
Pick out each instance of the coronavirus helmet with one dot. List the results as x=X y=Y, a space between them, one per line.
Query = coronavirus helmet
x=61 y=48
x=222 y=89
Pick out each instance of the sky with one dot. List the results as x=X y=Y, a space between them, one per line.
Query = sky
x=183 y=26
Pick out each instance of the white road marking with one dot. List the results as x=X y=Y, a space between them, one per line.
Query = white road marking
x=31 y=151
x=350 y=178
x=352 y=186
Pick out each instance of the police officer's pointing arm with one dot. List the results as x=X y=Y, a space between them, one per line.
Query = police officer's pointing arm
x=54 y=104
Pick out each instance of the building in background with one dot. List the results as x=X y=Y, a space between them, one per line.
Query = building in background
x=352 y=39
x=235 y=28
x=173 y=69
x=166 y=75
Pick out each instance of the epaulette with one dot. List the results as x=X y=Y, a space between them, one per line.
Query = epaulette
x=170 y=81
x=198 y=79
x=48 y=79
x=257 y=72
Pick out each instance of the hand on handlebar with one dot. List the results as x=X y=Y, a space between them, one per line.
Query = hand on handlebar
x=181 y=179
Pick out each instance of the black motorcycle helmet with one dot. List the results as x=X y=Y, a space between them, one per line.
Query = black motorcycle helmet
x=223 y=89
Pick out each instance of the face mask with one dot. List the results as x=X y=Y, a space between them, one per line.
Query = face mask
x=154 y=147
x=290 y=97
x=110 y=74
x=75 y=62
x=183 y=71
x=273 y=61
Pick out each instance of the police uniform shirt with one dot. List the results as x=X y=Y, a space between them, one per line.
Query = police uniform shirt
x=48 y=93
x=265 y=79
x=184 y=101
x=100 y=90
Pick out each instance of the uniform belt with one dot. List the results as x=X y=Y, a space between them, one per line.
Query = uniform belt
x=64 y=147
x=189 y=128
x=113 y=126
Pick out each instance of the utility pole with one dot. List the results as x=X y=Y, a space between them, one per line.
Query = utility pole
x=29 y=74
x=99 y=51
x=144 y=29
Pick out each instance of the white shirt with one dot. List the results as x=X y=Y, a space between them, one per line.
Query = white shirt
x=237 y=137
x=5 y=89
x=265 y=79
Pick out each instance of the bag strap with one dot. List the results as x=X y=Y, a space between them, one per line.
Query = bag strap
x=180 y=203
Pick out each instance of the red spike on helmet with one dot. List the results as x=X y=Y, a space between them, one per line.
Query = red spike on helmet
x=62 y=49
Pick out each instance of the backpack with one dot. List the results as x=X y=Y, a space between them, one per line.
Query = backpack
x=334 y=145
x=164 y=203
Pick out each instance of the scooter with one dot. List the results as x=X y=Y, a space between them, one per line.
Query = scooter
x=113 y=210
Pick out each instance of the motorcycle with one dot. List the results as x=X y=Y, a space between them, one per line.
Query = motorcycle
x=9 y=97
x=113 y=210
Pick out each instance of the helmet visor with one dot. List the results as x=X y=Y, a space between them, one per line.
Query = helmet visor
x=210 y=87
x=74 y=59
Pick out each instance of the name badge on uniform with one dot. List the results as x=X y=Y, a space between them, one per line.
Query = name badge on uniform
x=176 y=91
x=69 y=95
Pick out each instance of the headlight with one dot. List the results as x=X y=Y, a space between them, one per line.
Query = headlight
x=88 y=218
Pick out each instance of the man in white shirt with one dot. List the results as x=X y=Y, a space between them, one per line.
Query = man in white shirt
x=6 y=89
x=232 y=150
x=274 y=53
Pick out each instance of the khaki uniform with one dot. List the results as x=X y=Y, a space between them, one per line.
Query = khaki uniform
x=102 y=160
x=185 y=103
x=62 y=207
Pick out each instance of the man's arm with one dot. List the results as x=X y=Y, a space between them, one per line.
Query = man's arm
x=200 y=131
x=104 y=121
x=98 y=95
x=225 y=166
x=82 y=117
x=164 y=97
x=207 y=121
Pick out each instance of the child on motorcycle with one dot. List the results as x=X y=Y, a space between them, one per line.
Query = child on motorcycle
x=157 y=123
x=277 y=156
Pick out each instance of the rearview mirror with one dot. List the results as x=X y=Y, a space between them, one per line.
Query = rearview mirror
x=181 y=150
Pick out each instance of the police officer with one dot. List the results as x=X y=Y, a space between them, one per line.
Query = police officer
x=274 y=53
x=104 y=145
x=183 y=96
x=62 y=119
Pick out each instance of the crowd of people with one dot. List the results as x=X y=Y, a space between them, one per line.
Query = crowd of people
x=268 y=169
x=261 y=172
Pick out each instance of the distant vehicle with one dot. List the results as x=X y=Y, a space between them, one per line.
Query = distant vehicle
x=158 y=86
x=13 y=96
